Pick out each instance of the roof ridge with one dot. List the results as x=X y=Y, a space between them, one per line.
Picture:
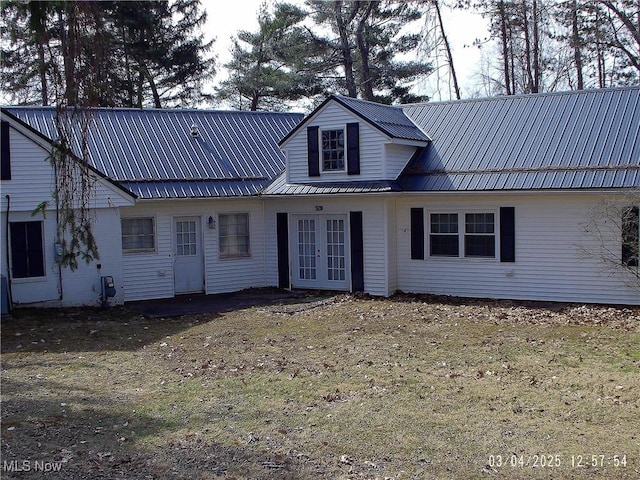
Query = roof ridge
x=586 y=91
x=153 y=110
x=548 y=168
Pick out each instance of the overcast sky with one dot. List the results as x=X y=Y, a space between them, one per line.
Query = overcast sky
x=227 y=18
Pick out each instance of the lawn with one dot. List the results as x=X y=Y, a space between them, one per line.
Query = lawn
x=348 y=387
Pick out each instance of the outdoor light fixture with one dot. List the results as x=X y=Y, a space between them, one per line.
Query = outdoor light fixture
x=212 y=223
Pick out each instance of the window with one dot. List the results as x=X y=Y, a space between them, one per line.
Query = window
x=27 y=254
x=444 y=235
x=186 y=238
x=138 y=235
x=479 y=238
x=332 y=150
x=234 y=235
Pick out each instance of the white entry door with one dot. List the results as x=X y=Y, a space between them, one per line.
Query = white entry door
x=189 y=265
x=320 y=252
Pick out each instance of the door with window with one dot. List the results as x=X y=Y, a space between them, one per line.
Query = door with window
x=188 y=268
x=320 y=252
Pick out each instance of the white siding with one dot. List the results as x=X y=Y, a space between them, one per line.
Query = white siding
x=32 y=183
x=150 y=275
x=396 y=158
x=376 y=251
x=334 y=116
x=392 y=245
x=549 y=265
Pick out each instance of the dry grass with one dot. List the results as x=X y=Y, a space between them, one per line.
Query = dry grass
x=355 y=388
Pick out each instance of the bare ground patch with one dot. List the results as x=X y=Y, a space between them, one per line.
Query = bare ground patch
x=345 y=387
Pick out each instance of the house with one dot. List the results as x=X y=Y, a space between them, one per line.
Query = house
x=476 y=198
x=193 y=221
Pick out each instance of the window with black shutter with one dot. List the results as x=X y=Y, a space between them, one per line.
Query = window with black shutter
x=27 y=254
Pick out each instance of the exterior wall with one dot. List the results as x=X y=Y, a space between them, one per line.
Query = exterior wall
x=151 y=275
x=31 y=183
x=375 y=233
x=392 y=244
x=396 y=158
x=549 y=265
x=334 y=116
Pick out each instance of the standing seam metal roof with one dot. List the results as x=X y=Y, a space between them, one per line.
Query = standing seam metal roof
x=579 y=139
x=390 y=120
x=153 y=153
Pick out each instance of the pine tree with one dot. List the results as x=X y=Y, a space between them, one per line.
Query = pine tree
x=365 y=40
x=273 y=66
x=105 y=53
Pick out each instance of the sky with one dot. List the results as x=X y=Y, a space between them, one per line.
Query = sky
x=225 y=19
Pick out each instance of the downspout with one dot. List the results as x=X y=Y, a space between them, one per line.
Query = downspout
x=6 y=244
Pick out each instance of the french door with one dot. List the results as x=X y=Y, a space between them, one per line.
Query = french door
x=320 y=252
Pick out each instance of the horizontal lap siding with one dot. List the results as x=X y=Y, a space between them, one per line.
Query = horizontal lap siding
x=150 y=275
x=32 y=179
x=548 y=266
x=376 y=278
x=396 y=159
x=232 y=274
x=32 y=182
x=334 y=116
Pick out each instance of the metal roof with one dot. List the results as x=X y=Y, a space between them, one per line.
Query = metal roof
x=281 y=187
x=579 y=139
x=153 y=153
x=390 y=120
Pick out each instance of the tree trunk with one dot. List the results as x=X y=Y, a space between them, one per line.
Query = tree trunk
x=536 y=49
x=577 y=44
x=347 y=58
x=527 y=48
x=505 y=46
x=366 y=81
x=448 y=49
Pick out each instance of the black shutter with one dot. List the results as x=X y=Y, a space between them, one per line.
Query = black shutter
x=282 y=237
x=507 y=234
x=313 y=153
x=5 y=155
x=353 y=148
x=417 y=234
x=630 y=236
x=357 y=252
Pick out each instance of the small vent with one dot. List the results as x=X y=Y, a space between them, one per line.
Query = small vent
x=195 y=132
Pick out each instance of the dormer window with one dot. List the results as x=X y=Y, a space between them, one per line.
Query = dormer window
x=333 y=150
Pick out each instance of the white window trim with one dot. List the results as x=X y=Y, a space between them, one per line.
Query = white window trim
x=237 y=256
x=321 y=152
x=462 y=231
x=141 y=251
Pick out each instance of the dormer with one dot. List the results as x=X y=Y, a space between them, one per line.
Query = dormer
x=347 y=139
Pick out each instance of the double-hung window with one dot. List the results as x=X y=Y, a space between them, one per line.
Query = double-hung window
x=332 y=150
x=138 y=235
x=479 y=235
x=233 y=235
x=443 y=238
x=471 y=235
